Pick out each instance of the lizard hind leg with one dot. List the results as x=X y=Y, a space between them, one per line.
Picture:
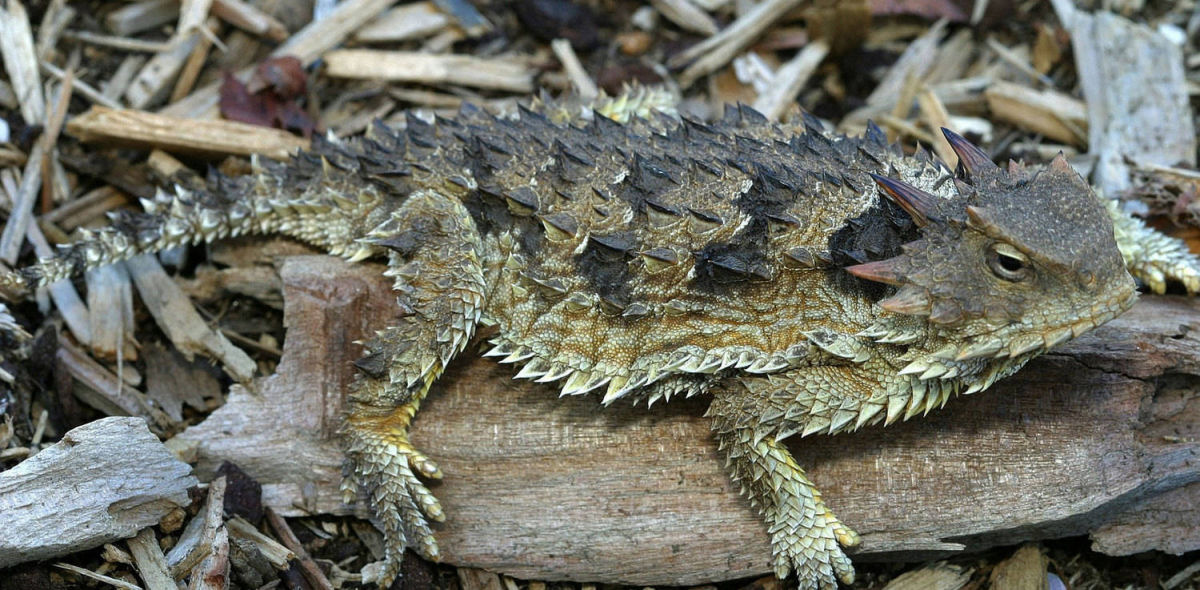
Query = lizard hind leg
x=806 y=537
x=434 y=255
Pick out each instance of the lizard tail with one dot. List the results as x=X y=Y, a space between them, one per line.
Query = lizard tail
x=167 y=220
x=312 y=197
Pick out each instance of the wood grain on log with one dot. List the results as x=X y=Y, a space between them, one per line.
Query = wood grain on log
x=103 y=481
x=548 y=488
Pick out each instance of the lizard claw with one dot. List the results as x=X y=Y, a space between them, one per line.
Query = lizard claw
x=384 y=466
x=815 y=554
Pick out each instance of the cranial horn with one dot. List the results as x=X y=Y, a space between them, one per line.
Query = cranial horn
x=971 y=159
x=880 y=271
x=918 y=203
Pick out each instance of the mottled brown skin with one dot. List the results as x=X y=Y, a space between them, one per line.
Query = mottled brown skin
x=766 y=268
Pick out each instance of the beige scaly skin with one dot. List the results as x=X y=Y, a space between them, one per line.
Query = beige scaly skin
x=811 y=283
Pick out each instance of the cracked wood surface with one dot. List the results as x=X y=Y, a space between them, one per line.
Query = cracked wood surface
x=1087 y=439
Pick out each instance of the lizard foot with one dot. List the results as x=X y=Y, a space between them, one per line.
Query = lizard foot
x=1152 y=257
x=384 y=467
x=813 y=550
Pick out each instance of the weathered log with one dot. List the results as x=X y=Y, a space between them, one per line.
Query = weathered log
x=103 y=481
x=548 y=488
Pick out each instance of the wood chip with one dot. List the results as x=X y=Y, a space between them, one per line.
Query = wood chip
x=110 y=296
x=103 y=390
x=145 y=130
x=274 y=551
x=151 y=563
x=173 y=312
x=937 y=576
x=789 y=79
x=403 y=23
x=1025 y=570
x=717 y=50
x=1048 y=112
x=686 y=15
x=103 y=481
x=20 y=61
x=22 y=209
x=307 y=45
x=308 y=568
x=476 y=579
x=141 y=16
x=402 y=66
x=582 y=84
x=249 y=18
x=1135 y=87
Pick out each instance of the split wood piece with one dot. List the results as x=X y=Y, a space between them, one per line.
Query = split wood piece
x=1025 y=570
x=307 y=45
x=404 y=23
x=110 y=306
x=1048 y=112
x=83 y=88
x=140 y=129
x=1136 y=89
x=103 y=390
x=102 y=482
x=273 y=551
x=467 y=16
x=119 y=82
x=899 y=85
x=937 y=576
x=201 y=533
x=118 y=43
x=136 y=17
x=23 y=199
x=172 y=381
x=151 y=563
x=308 y=568
x=584 y=88
x=404 y=66
x=477 y=579
x=153 y=83
x=213 y=550
x=20 y=61
x=686 y=16
x=249 y=18
x=54 y=22
x=194 y=63
x=789 y=79
x=639 y=496
x=184 y=327
x=933 y=112
x=716 y=51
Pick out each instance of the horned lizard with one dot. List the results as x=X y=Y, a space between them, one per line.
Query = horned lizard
x=807 y=281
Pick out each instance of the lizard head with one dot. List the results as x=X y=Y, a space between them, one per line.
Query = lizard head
x=1011 y=265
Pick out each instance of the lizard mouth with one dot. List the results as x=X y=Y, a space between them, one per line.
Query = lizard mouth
x=949 y=361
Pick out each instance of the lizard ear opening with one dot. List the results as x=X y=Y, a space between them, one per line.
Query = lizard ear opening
x=972 y=161
x=918 y=203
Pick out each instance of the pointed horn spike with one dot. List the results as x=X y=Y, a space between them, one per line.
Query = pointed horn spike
x=909 y=300
x=1060 y=164
x=918 y=203
x=971 y=159
x=980 y=217
x=880 y=271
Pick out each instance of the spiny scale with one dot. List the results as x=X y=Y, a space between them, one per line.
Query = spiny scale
x=810 y=282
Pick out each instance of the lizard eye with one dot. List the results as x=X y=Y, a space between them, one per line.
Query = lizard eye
x=1007 y=262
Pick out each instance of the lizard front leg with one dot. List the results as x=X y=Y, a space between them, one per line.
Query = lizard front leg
x=806 y=538
x=434 y=254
